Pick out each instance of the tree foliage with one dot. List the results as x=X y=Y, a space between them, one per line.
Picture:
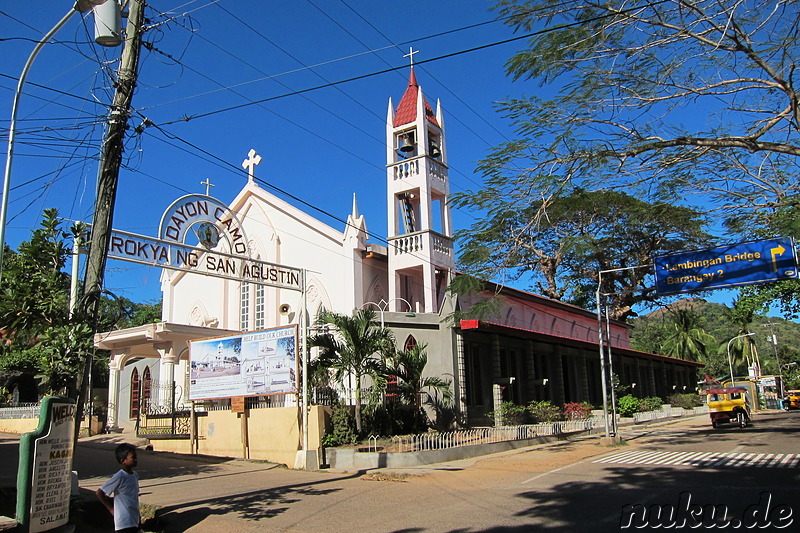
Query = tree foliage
x=565 y=241
x=741 y=345
x=409 y=366
x=35 y=290
x=41 y=336
x=687 y=338
x=34 y=311
x=719 y=321
x=691 y=103
x=671 y=97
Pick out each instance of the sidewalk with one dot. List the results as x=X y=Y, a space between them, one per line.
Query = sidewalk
x=211 y=494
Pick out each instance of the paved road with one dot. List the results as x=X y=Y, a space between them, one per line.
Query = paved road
x=574 y=486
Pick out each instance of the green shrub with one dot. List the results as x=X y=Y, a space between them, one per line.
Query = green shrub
x=510 y=414
x=378 y=421
x=628 y=405
x=577 y=411
x=651 y=403
x=686 y=401
x=544 y=412
x=407 y=419
x=344 y=428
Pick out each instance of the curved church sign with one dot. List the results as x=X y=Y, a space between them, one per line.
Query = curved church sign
x=201 y=235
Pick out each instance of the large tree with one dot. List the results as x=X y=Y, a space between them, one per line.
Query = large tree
x=38 y=332
x=41 y=337
x=688 y=102
x=676 y=97
x=563 y=242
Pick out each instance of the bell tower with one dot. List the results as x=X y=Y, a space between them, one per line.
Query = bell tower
x=421 y=258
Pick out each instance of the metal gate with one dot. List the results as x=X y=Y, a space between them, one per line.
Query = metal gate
x=158 y=417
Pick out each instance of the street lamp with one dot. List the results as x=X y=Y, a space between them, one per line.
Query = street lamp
x=383 y=305
x=730 y=361
x=80 y=6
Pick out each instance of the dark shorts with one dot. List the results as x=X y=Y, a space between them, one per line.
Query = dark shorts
x=128 y=530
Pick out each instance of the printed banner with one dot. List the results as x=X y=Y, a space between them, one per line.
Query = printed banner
x=249 y=364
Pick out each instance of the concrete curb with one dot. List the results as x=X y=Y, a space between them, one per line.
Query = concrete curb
x=349 y=460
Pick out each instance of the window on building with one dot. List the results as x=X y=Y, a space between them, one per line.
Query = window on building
x=134 y=407
x=260 y=315
x=410 y=343
x=244 y=307
x=146 y=387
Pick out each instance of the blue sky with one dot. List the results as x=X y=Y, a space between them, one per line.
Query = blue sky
x=211 y=60
x=320 y=146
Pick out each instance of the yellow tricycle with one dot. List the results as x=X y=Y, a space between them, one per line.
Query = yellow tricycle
x=728 y=404
x=791 y=400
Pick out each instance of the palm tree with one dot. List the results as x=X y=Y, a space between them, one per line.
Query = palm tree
x=408 y=366
x=352 y=347
x=744 y=347
x=687 y=339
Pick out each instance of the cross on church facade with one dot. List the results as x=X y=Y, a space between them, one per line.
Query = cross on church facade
x=208 y=184
x=250 y=163
x=410 y=54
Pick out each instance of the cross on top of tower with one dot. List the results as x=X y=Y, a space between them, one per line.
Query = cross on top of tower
x=250 y=163
x=410 y=54
x=208 y=185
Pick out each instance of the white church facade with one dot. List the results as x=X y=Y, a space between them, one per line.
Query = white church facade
x=549 y=347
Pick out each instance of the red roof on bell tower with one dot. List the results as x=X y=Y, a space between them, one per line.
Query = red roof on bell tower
x=407 y=108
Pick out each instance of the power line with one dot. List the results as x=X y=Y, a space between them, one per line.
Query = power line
x=187 y=118
x=324 y=108
x=52 y=89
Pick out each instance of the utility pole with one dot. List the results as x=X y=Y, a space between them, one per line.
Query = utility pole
x=107 y=179
x=773 y=339
x=111 y=158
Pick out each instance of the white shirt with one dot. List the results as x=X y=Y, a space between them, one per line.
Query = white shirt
x=125 y=488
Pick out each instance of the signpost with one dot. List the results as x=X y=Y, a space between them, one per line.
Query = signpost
x=726 y=266
x=45 y=468
x=177 y=256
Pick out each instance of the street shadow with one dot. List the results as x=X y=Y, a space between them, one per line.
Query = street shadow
x=598 y=505
x=252 y=506
x=94 y=462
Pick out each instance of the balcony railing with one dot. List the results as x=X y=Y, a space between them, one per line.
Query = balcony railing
x=421 y=241
x=411 y=168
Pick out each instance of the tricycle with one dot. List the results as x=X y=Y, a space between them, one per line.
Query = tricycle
x=791 y=400
x=728 y=404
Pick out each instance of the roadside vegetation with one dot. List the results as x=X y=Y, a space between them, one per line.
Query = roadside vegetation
x=401 y=398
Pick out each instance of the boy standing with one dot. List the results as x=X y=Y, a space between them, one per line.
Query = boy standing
x=124 y=485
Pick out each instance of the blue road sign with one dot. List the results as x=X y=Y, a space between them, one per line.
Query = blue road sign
x=726 y=266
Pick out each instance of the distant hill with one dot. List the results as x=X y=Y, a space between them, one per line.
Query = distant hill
x=649 y=332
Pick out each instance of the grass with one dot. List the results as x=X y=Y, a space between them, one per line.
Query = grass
x=397 y=478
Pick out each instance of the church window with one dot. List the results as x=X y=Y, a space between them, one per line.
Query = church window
x=260 y=318
x=244 y=307
x=146 y=386
x=134 y=407
x=411 y=342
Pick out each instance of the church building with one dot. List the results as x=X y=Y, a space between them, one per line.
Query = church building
x=535 y=348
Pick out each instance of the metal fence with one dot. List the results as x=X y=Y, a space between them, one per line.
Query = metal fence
x=668 y=413
x=22 y=410
x=467 y=437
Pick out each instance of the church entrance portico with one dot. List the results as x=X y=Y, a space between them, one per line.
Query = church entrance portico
x=156 y=348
